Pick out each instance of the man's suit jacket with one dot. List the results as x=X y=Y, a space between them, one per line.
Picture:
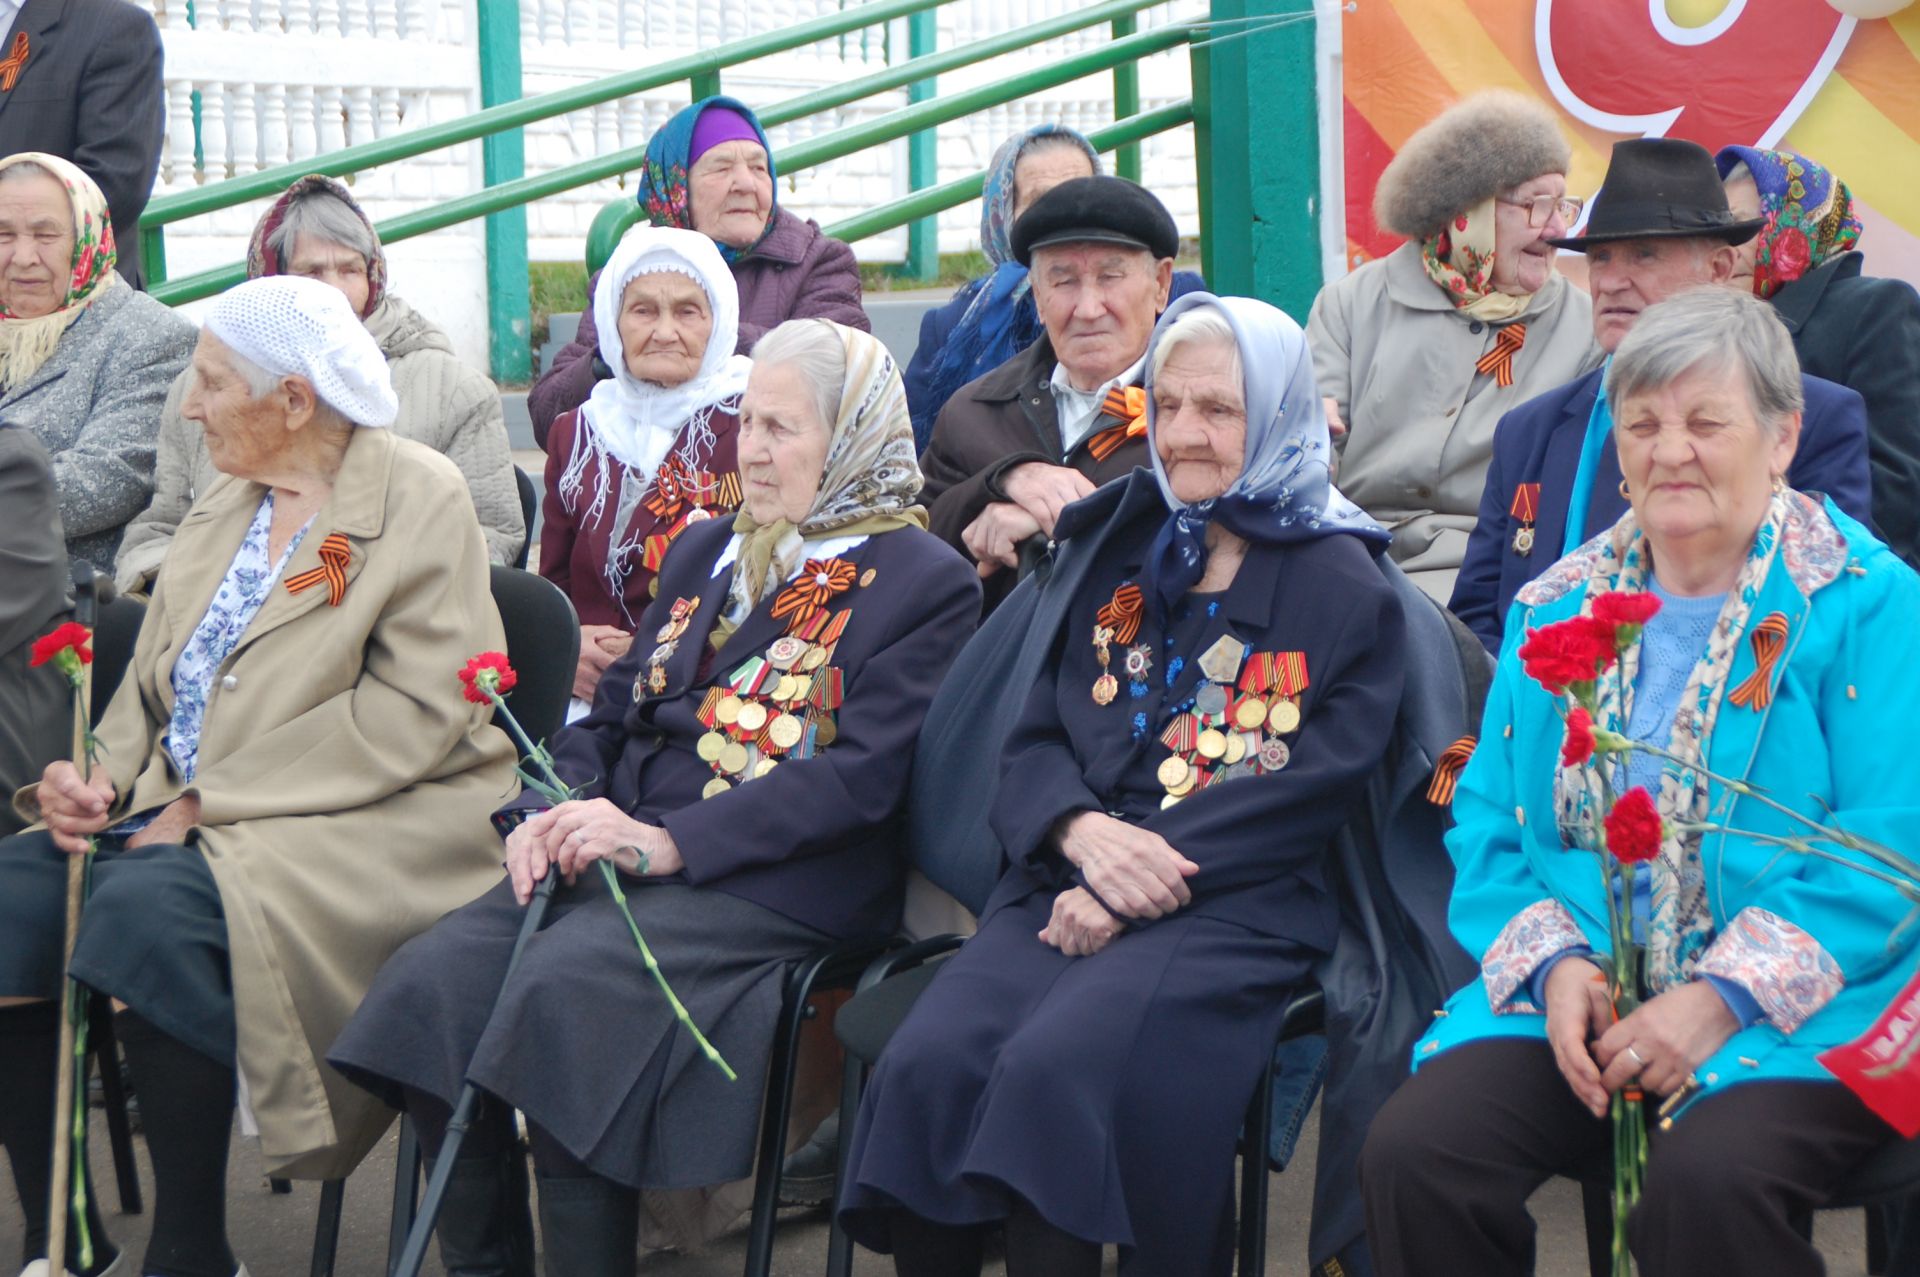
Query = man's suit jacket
x=90 y=91
x=1539 y=442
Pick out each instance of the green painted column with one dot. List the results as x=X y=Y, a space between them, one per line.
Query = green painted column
x=504 y=157
x=1126 y=100
x=1257 y=152
x=923 y=158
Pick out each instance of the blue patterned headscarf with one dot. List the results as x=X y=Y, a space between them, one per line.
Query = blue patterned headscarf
x=663 y=192
x=1001 y=321
x=1283 y=491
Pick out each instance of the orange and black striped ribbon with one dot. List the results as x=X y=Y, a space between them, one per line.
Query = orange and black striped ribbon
x=671 y=484
x=1526 y=502
x=1290 y=676
x=1126 y=407
x=1121 y=614
x=1499 y=361
x=1446 y=772
x=334 y=556
x=1769 y=639
x=819 y=580
x=15 y=61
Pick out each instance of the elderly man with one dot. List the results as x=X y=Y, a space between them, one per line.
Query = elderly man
x=1065 y=415
x=1659 y=226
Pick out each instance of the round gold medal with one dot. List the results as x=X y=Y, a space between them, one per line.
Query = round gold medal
x=786 y=689
x=710 y=745
x=1285 y=717
x=814 y=659
x=1105 y=688
x=752 y=717
x=764 y=766
x=728 y=710
x=1212 y=743
x=785 y=731
x=1174 y=772
x=825 y=732
x=715 y=786
x=1186 y=786
x=1251 y=713
x=733 y=759
x=1236 y=749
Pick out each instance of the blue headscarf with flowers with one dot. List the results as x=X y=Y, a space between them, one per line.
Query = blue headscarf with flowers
x=663 y=194
x=1284 y=491
x=1809 y=212
x=1001 y=321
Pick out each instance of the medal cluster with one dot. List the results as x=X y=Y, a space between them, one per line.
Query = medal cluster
x=771 y=708
x=1243 y=711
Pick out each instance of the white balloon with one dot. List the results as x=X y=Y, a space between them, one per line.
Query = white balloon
x=1868 y=10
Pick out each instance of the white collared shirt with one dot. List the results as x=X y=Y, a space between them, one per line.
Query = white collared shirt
x=1078 y=411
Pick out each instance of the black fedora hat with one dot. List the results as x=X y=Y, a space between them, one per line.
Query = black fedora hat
x=1661 y=188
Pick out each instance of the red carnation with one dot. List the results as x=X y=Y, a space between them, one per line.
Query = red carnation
x=1633 y=827
x=1617 y=607
x=1576 y=650
x=72 y=637
x=1578 y=747
x=1791 y=255
x=487 y=672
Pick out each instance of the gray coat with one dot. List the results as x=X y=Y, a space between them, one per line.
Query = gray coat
x=34 y=709
x=95 y=404
x=443 y=404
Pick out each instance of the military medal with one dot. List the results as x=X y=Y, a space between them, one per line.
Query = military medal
x=1105 y=687
x=786 y=652
x=708 y=747
x=1525 y=510
x=1221 y=662
x=1274 y=754
x=718 y=785
x=1173 y=772
x=752 y=717
x=866 y=578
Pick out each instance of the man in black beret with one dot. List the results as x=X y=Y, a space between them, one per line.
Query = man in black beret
x=1067 y=414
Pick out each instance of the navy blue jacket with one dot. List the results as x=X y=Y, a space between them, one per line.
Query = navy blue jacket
x=1539 y=442
x=818 y=839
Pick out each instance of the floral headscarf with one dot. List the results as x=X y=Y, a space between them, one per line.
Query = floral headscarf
x=1459 y=258
x=663 y=191
x=869 y=484
x=25 y=344
x=1809 y=214
x=262 y=260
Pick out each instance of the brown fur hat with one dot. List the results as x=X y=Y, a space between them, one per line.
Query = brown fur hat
x=1479 y=146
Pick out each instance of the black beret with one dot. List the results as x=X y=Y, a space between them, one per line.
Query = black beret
x=1096 y=210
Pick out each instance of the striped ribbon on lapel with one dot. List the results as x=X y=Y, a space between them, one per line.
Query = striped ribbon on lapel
x=15 y=62
x=334 y=556
x=1498 y=362
x=1769 y=639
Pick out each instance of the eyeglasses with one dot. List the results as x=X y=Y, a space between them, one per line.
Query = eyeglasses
x=1541 y=208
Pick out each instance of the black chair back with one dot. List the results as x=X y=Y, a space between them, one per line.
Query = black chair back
x=529 y=511
x=114 y=633
x=543 y=642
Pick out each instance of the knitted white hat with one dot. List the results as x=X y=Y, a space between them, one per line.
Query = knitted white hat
x=298 y=327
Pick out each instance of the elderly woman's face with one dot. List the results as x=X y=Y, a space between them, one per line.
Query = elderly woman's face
x=334 y=265
x=1522 y=258
x=665 y=322
x=36 y=245
x=1743 y=201
x=730 y=190
x=1039 y=171
x=1699 y=464
x=782 y=444
x=244 y=435
x=1199 y=420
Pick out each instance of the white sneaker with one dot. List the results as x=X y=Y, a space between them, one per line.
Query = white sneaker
x=40 y=1267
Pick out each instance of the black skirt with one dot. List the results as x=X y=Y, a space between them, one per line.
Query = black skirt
x=153 y=935
x=1107 y=1091
x=581 y=1039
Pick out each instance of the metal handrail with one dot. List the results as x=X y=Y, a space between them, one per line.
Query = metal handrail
x=813 y=151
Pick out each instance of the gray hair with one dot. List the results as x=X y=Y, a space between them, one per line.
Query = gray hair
x=1200 y=326
x=813 y=349
x=26 y=168
x=260 y=382
x=1711 y=329
x=324 y=216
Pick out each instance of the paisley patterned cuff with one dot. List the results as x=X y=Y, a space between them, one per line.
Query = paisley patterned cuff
x=1536 y=933
x=1783 y=967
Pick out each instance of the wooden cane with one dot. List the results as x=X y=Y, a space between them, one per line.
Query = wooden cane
x=60 y=1193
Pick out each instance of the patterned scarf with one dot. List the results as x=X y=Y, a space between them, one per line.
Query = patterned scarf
x=1809 y=215
x=263 y=260
x=1459 y=258
x=663 y=190
x=868 y=484
x=1681 y=923
x=26 y=344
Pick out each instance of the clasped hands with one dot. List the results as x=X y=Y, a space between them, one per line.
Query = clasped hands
x=1134 y=871
x=573 y=835
x=1036 y=494
x=1661 y=1042
x=76 y=809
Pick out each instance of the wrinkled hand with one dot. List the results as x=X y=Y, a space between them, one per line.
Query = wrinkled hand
x=573 y=835
x=1577 y=1013
x=1080 y=926
x=600 y=646
x=1336 y=424
x=1134 y=870
x=74 y=808
x=994 y=537
x=1043 y=491
x=171 y=825
x=1673 y=1034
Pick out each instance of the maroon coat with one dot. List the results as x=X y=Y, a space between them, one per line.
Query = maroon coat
x=573 y=553
x=796 y=272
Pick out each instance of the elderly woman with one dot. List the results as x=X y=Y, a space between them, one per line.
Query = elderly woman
x=1855 y=329
x=290 y=783
x=652 y=451
x=710 y=169
x=1423 y=350
x=85 y=361
x=1218 y=693
x=1777 y=658
x=744 y=770
x=991 y=319
x=316 y=230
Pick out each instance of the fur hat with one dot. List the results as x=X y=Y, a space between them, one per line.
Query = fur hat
x=1478 y=147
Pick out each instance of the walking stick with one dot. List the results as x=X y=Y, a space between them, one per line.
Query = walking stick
x=414 y=1253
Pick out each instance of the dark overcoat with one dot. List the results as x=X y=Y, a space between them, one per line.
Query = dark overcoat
x=1539 y=442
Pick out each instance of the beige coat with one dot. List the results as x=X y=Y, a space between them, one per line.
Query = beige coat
x=344 y=783
x=1399 y=359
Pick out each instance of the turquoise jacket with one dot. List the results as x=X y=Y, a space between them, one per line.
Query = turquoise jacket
x=1838 y=735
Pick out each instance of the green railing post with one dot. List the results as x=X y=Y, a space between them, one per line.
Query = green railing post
x=1256 y=130
x=923 y=158
x=1126 y=100
x=705 y=85
x=504 y=157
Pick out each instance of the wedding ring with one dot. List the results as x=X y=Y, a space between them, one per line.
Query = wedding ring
x=1638 y=1058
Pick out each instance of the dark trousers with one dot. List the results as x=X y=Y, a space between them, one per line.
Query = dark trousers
x=1452 y=1158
